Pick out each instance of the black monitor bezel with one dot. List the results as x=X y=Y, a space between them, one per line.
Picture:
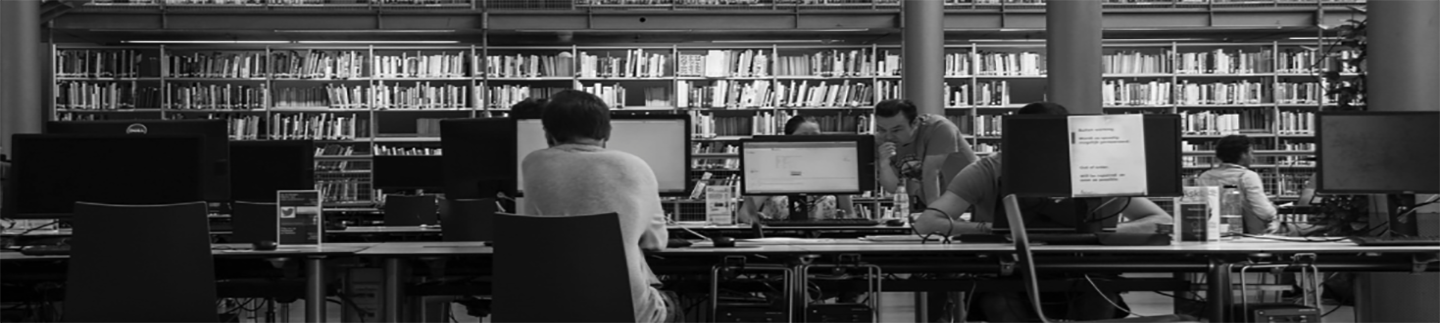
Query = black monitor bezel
x=689 y=178
x=1319 y=150
x=1174 y=156
x=18 y=151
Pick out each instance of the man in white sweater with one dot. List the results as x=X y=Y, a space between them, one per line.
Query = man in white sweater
x=578 y=176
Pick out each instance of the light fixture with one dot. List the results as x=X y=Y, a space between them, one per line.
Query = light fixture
x=1008 y=40
x=782 y=41
x=377 y=42
x=205 y=41
x=364 y=31
x=1314 y=38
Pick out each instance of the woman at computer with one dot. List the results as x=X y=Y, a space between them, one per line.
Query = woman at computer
x=756 y=208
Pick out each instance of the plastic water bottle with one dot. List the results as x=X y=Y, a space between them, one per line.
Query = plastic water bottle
x=1232 y=206
x=902 y=202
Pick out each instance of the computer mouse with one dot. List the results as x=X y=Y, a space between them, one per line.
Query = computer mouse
x=895 y=222
x=724 y=242
x=265 y=245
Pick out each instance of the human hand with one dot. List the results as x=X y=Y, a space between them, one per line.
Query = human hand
x=887 y=151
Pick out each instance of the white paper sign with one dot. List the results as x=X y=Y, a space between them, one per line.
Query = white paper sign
x=1107 y=155
x=718 y=205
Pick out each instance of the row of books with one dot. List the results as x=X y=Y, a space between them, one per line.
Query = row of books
x=1291 y=145
x=799 y=94
x=105 y=96
x=505 y=96
x=958 y=64
x=238 y=127
x=1296 y=123
x=1126 y=93
x=714 y=148
x=715 y=164
x=427 y=127
x=422 y=96
x=724 y=63
x=92 y=63
x=344 y=190
x=1242 y=92
x=768 y=123
x=835 y=63
x=228 y=96
x=321 y=126
x=613 y=95
x=1224 y=122
x=291 y=97
x=420 y=65
x=317 y=64
x=986 y=148
x=1299 y=93
x=1009 y=64
x=383 y=150
x=1134 y=62
x=530 y=66
x=242 y=65
x=634 y=64
x=335 y=150
x=1221 y=62
x=989 y=125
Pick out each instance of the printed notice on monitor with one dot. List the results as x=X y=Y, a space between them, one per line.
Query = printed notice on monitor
x=1107 y=155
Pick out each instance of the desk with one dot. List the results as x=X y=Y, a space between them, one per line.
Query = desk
x=1215 y=259
x=314 y=265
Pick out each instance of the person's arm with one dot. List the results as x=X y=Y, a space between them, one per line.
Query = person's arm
x=930 y=177
x=750 y=209
x=1260 y=204
x=844 y=203
x=656 y=236
x=1142 y=216
x=932 y=221
x=942 y=140
x=888 y=179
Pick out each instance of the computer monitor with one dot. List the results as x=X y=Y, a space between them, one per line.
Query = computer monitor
x=259 y=168
x=52 y=172
x=479 y=159
x=820 y=164
x=1378 y=152
x=408 y=172
x=217 y=150
x=1037 y=171
x=662 y=141
x=1040 y=163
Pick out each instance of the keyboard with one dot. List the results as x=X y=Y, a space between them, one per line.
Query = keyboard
x=824 y=223
x=1397 y=241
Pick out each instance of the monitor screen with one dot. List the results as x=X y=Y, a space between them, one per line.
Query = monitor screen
x=52 y=172
x=1039 y=162
x=408 y=172
x=662 y=141
x=479 y=155
x=1378 y=152
x=825 y=164
x=259 y=168
x=217 y=149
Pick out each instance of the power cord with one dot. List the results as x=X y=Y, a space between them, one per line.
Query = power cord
x=1108 y=300
x=1117 y=213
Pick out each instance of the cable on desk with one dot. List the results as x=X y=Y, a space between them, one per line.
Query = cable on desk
x=1108 y=300
x=1332 y=311
x=1285 y=239
x=1117 y=213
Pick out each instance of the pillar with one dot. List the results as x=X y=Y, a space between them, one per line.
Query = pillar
x=1404 y=75
x=1072 y=54
x=21 y=80
x=924 y=49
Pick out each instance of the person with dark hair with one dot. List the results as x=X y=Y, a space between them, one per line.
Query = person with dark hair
x=756 y=208
x=915 y=146
x=978 y=185
x=530 y=108
x=1235 y=156
x=578 y=176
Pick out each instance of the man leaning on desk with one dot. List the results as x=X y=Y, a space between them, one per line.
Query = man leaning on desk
x=979 y=185
x=578 y=176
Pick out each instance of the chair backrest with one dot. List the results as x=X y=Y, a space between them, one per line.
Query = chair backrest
x=468 y=220
x=403 y=210
x=253 y=222
x=560 y=269
x=1022 y=249
x=954 y=163
x=140 y=263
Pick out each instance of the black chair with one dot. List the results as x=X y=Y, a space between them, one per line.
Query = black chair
x=561 y=269
x=140 y=263
x=253 y=222
x=1027 y=265
x=468 y=220
x=410 y=210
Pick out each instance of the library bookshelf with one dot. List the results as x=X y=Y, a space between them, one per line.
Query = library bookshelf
x=367 y=100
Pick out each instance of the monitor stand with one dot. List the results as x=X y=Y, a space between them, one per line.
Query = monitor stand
x=1395 y=205
x=799 y=205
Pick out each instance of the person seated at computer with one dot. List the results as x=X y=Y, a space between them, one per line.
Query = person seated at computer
x=757 y=208
x=1235 y=156
x=978 y=185
x=913 y=147
x=578 y=176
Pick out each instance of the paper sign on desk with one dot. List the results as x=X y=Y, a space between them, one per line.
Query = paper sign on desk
x=719 y=205
x=301 y=219
x=1107 y=155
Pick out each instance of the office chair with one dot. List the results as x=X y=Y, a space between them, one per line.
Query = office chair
x=1027 y=265
x=468 y=219
x=403 y=210
x=561 y=269
x=140 y=263
x=253 y=222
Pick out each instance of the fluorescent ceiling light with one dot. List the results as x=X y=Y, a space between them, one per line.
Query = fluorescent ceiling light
x=1008 y=40
x=1314 y=38
x=362 y=31
x=1158 y=39
x=788 y=41
x=206 y=41
x=377 y=41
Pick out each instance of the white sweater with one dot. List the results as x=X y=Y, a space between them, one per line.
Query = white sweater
x=570 y=180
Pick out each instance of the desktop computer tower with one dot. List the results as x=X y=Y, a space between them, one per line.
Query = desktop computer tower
x=1274 y=312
